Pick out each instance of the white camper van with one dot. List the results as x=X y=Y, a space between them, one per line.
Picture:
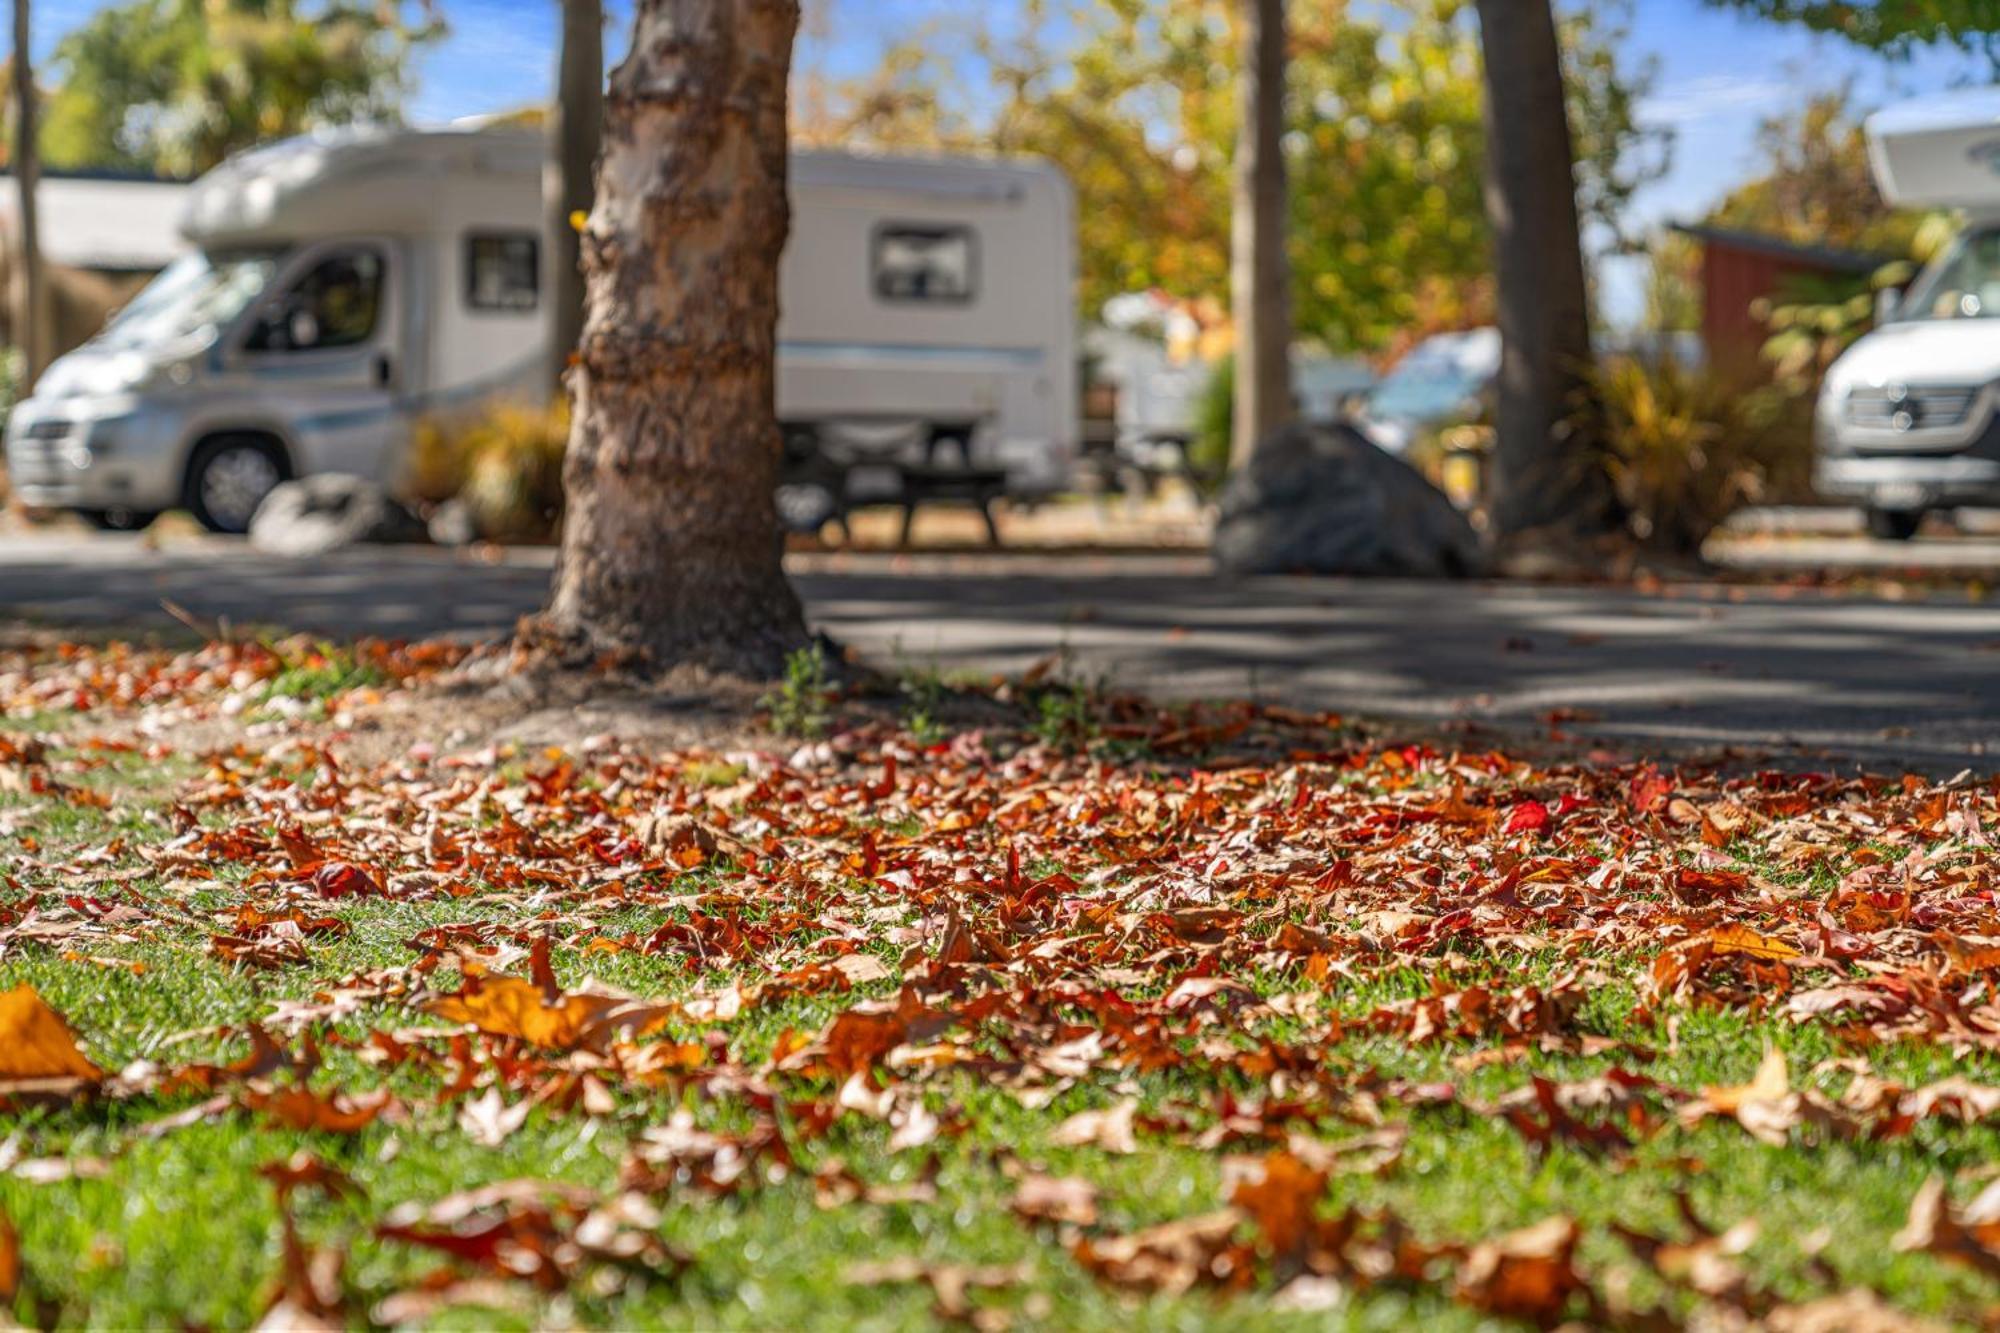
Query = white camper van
x=1908 y=418
x=343 y=286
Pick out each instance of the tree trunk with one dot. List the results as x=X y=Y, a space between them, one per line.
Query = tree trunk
x=1547 y=474
x=670 y=547
x=32 y=306
x=1260 y=279
x=576 y=128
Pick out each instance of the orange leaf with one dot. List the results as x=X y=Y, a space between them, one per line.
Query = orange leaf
x=35 y=1042
x=1735 y=939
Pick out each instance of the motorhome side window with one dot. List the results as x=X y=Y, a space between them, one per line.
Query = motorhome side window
x=332 y=304
x=502 y=270
x=925 y=262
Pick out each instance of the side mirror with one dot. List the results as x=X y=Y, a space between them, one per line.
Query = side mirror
x=1887 y=301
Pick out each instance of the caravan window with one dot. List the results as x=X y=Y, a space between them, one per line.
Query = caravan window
x=925 y=262
x=502 y=270
x=332 y=304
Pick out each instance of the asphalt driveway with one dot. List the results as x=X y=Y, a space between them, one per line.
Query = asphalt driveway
x=1795 y=673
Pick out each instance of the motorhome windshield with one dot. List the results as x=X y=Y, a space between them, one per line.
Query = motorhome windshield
x=192 y=293
x=1963 y=284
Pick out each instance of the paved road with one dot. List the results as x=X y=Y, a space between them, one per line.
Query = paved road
x=1798 y=673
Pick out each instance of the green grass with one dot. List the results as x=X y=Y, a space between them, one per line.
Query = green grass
x=183 y=1231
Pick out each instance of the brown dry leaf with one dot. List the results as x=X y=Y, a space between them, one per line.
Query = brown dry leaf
x=10 y=1262
x=951 y=1284
x=1172 y=1257
x=1109 y=1128
x=508 y=1006
x=1043 y=1198
x=1374 y=1153
x=443 y=1290
x=35 y=1042
x=1765 y=1106
x=1740 y=939
x=1527 y=1274
x=300 y=1108
x=1279 y=1193
x=1855 y=1311
x=1936 y=1227
x=488 y=1121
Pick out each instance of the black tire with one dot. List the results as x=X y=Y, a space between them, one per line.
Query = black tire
x=1894 y=525
x=226 y=478
x=118 y=520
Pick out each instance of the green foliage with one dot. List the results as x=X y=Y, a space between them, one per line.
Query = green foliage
x=801 y=705
x=174 y=86
x=505 y=464
x=1814 y=185
x=1214 y=420
x=1064 y=717
x=318 y=671
x=1894 y=26
x=925 y=694
x=1137 y=100
x=1685 y=448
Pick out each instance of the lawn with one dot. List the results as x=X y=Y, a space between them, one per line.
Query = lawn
x=321 y=1001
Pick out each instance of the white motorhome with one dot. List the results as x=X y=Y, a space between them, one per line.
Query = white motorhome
x=1908 y=418
x=343 y=286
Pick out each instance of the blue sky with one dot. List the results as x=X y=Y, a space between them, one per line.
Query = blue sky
x=1719 y=74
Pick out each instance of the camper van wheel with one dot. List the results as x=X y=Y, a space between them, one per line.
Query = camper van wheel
x=117 y=520
x=1894 y=525
x=229 y=476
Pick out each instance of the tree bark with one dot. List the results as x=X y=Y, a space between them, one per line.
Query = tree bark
x=575 y=129
x=1548 y=476
x=1260 y=279
x=670 y=550
x=32 y=306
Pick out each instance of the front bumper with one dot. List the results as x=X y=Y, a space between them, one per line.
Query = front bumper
x=110 y=452
x=1910 y=481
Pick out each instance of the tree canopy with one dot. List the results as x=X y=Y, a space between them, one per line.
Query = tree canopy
x=1894 y=26
x=174 y=86
x=1136 y=98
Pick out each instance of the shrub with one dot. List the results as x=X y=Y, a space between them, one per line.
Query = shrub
x=1686 y=448
x=505 y=464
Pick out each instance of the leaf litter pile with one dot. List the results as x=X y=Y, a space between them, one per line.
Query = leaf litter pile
x=1228 y=1013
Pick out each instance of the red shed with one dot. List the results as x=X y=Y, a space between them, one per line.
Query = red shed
x=1740 y=267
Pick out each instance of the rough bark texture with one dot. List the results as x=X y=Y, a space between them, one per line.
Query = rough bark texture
x=1547 y=475
x=31 y=288
x=670 y=548
x=576 y=129
x=1260 y=279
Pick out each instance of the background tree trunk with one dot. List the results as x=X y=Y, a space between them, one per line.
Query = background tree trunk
x=1547 y=475
x=670 y=543
x=576 y=128
x=32 y=306
x=1260 y=278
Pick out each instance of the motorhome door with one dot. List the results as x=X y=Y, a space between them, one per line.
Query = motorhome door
x=321 y=357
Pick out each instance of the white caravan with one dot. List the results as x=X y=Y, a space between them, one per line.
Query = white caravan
x=344 y=286
x=1908 y=418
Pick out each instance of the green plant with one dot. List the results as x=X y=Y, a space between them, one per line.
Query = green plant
x=504 y=464
x=1214 y=420
x=924 y=692
x=800 y=706
x=1686 y=447
x=1065 y=716
x=317 y=671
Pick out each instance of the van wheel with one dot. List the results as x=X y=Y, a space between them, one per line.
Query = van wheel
x=118 y=520
x=229 y=476
x=1894 y=525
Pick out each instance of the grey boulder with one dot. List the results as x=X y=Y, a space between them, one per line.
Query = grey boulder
x=327 y=512
x=1322 y=499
